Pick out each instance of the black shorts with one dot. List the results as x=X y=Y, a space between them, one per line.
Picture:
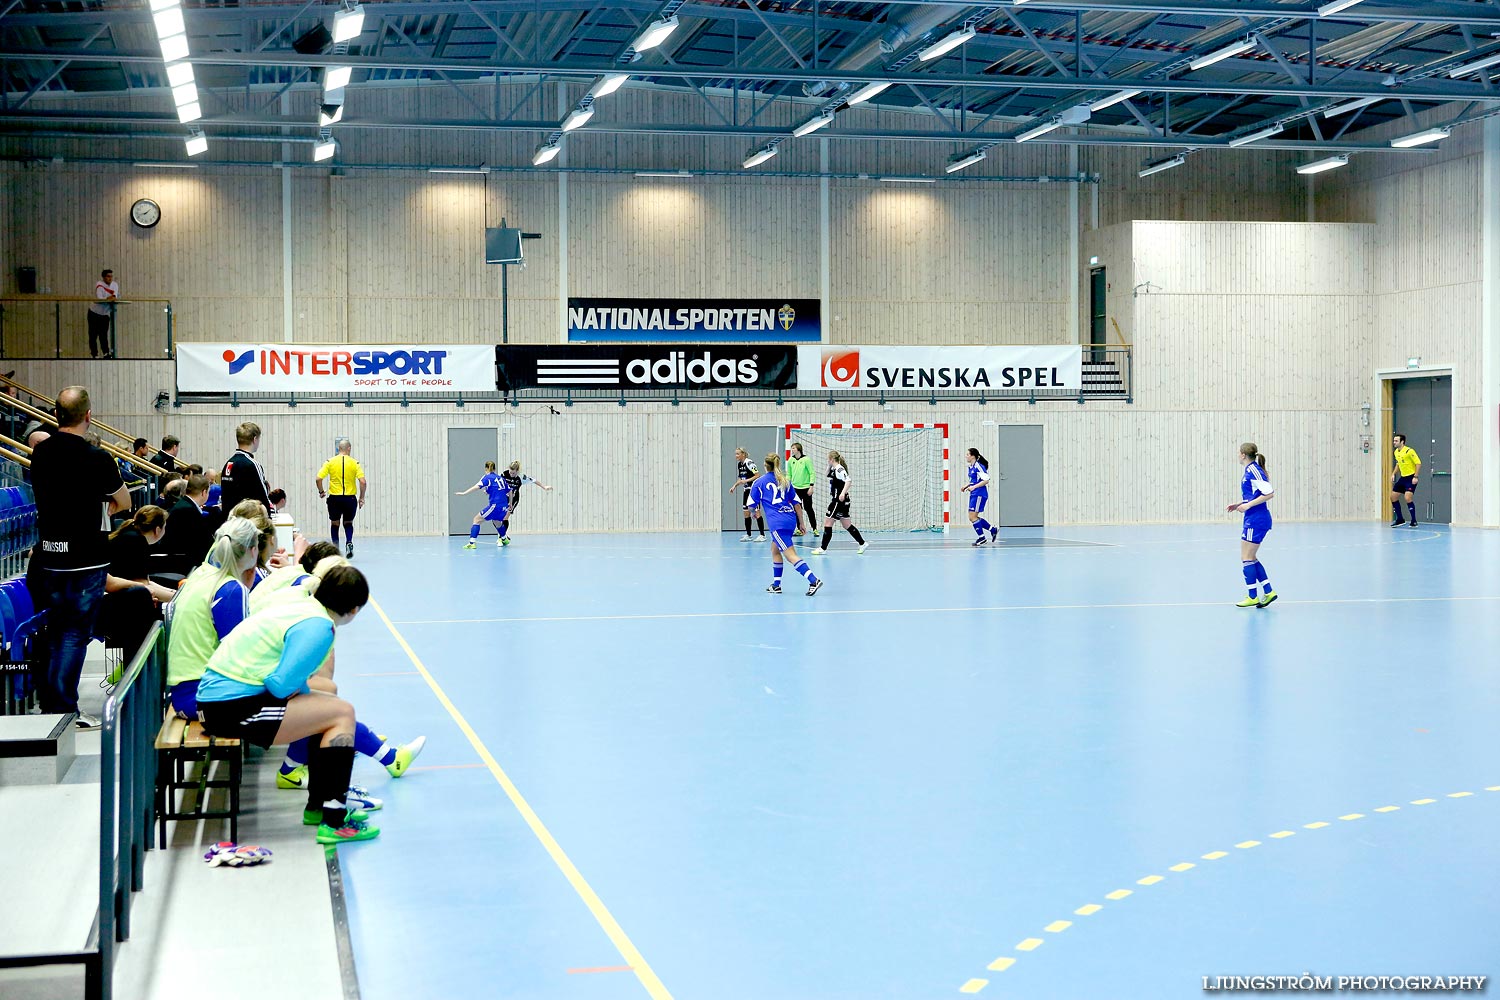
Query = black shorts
x=254 y=720
x=342 y=508
x=515 y=501
x=1405 y=484
x=838 y=509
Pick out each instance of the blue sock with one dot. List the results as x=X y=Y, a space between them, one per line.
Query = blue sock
x=976 y=526
x=806 y=571
x=367 y=743
x=1260 y=575
x=776 y=574
x=1412 y=509
x=348 y=533
x=499 y=528
x=296 y=755
x=333 y=533
x=473 y=532
x=1252 y=578
x=982 y=525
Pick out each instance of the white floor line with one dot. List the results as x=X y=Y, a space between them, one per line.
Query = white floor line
x=923 y=611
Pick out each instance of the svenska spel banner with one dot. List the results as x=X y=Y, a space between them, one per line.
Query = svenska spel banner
x=1049 y=370
x=346 y=368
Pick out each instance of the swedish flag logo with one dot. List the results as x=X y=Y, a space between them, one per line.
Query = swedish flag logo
x=787 y=316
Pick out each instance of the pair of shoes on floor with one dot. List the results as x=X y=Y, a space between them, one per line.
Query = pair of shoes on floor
x=470 y=545
x=296 y=778
x=356 y=827
x=1264 y=601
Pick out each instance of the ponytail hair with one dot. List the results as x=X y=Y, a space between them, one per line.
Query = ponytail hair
x=237 y=540
x=980 y=459
x=773 y=466
x=515 y=466
x=148 y=518
x=1252 y=452
x=834 y=456
x=489 y=466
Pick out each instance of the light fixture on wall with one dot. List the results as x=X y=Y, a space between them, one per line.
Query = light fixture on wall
x=197 y=143
x=1423 y=137
x=1475 y=66
x=336 y=78
x=1118 y=97
x=1040 y=130
x=1318 y=166
x=1257 y=136
x=577 y=118
x=348 y=23
x=545 y=153
x=947 y=43
x=1219 y=55
x=1348 y=106
x=324 y=150
x=760 y=156
x=909 y=180
x=330 y=114
x=1334 y=6
x=963 y=160
x=866 y=92
x=817 y=121
x=656 y=32
x=1161 y=165
x=608 y=84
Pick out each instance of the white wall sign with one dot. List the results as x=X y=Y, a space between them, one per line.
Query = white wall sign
x=1051 y=369
x=347 y=368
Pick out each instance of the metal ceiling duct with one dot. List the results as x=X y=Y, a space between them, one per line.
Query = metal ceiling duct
x=912 y=24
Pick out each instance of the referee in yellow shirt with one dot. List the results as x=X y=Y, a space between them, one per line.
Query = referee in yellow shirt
x=1404 y=481
x=342 y=473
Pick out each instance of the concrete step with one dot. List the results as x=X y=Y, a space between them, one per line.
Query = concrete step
x=36 y=749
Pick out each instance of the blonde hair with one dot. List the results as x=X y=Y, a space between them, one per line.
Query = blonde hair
x=236 y=539
x=321 y=570
x=515 y=466
x=489 y=466
x=249 y=508
x=834 y=456
x=773 y=466
x=741 y=451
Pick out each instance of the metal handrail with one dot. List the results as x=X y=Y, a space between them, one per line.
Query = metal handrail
x=7 y=381
x=77 y=298
x=57 y=302
x=51 y=421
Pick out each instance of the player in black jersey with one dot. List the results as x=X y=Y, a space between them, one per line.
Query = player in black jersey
x=515 y=480
x=747 y=473
x=838 y=504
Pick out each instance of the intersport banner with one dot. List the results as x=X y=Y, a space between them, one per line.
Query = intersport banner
x=646 y=366
x=787 y=321
x=1054 y=369
x=346 y=368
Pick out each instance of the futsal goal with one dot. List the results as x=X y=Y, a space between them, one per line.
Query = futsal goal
x=898 y=472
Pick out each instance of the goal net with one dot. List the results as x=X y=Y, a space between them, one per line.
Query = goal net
x=898 y=472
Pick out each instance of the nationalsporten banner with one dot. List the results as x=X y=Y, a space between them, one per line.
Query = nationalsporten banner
x=346 y=368
x=646 y=366
x=1051 y=369
x=693 y=320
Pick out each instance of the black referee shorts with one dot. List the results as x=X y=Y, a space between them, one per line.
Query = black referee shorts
x=342 y=508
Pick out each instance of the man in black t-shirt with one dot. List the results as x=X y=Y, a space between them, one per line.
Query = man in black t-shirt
x=243 y=478
x=77 y=488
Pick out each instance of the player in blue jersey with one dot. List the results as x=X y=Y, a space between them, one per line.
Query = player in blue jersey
x=978 y=489
x=772 y=497
x=495 y=509
x=1255 y=491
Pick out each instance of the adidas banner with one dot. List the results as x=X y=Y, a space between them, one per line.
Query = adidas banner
x=345 y=368
x=1049 y=370
x=693 y=321
x=660 y=366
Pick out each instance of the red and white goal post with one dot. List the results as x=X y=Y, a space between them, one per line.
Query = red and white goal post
x=899 y=473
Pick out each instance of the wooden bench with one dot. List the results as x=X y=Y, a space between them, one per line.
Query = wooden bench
x=179 y=744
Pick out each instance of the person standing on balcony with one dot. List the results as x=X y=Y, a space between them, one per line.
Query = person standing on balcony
x=102 y=314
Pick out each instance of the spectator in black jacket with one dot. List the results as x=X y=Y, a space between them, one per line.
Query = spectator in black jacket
x=167 y=457
x=189 y=531
x=243 y=477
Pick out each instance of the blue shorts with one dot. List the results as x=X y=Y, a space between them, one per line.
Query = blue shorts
x=977 y=500
x=1255 y=533
x=185 y=699
x=781 y=538
x=495 y=511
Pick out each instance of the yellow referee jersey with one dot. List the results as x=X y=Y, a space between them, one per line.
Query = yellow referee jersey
x=343 y=474
x=1407 y=461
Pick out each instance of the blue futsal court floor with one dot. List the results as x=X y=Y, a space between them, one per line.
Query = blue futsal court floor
x=1064 y=768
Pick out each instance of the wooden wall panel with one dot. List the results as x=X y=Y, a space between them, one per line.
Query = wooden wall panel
x=1114 y=246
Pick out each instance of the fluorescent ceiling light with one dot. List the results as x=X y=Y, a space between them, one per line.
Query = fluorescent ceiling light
x=1330 y=9
x=330 y=114
x=545 y=153
x=1475 y=66
x=663 y=173
x=958 y=163
x=758 y=157
x=347 y=24
x=1348 y=106
x=1037 y=130
x=656 y=32
x=337 y=77
x=185 y=94
x=457 y=170
x=1228 y=52
x=166 y=166
x=1160 y=165
x=1318 y=166
x=909 y=180
x=169 y=22
x=179 y=73
x=1118 y=97
x=577 y=118
x=324 y=149
x=157 y=5
x=608 y=84
x=189 y=112
x=866 y=92
x=814 y=123
x=946 y=44
x=1419 y=138
x=1264 y=133
x=197 y=144
x=174 y=48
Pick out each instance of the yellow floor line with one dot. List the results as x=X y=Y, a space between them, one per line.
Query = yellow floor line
x=607 y=922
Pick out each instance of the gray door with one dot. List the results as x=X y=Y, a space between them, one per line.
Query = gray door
x=1423 y=411
x=1018 y=471
x=759 y=442
x=468 y=449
